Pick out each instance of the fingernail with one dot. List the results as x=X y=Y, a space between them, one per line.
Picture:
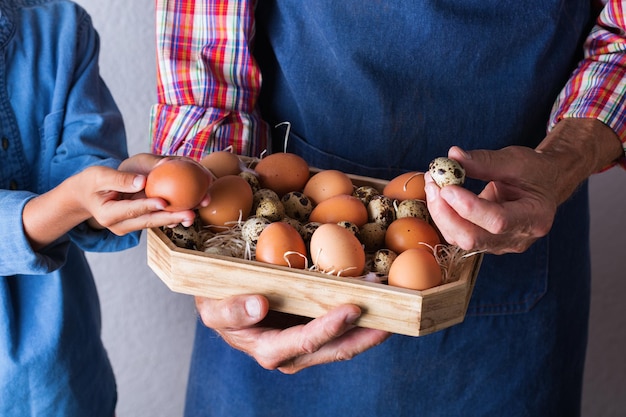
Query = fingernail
x=352 y=317
x=253 y=308
x=431 y=189
x=138 y=181
x=464 y=154
x=187 y=222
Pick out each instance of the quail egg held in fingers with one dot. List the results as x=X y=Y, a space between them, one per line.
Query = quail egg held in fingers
x=446 y=171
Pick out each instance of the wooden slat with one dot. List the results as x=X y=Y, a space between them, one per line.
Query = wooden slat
x=312 y=294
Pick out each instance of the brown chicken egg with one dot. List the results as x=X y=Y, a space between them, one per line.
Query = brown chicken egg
x=406 y=186
x=336 y=250
x=342 y=207
x=282 y=172
x=410 y=232
x=415 y=269
x=231 y=200
x=222 y=163
x=181 y=182
x=280 y=244
x=326 y=184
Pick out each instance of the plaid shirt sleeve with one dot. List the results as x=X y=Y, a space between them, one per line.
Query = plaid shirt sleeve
x=207 y=80
x=207 y=90
x=597 y=88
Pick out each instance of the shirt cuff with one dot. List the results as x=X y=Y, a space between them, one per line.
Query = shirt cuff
x=194 y=131
x=21 y=259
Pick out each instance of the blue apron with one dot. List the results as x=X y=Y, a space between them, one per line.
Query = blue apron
x=380 y=88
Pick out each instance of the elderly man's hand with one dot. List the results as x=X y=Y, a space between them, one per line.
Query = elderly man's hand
x=285 y=342
x=524 y=187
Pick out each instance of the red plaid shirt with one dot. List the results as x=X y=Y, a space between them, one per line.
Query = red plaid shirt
x=208 y=81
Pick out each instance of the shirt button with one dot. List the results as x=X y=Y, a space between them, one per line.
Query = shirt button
x=5 y=143
x=13 y=185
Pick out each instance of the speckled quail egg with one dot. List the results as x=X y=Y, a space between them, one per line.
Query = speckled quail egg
x=297 y=206
x=412 y=208
x=309 y=228
x=365 y=193
x=263 y=194
x=296 y=225
x=372 y=235
x=185 y=237
x=381 y=210
x=446 y=171
x=383 y=259
x=350 y=226
x=252 y=179
x=271 y=209
x=252 y=228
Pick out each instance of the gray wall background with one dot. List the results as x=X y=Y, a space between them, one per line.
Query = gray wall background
x=148 y=330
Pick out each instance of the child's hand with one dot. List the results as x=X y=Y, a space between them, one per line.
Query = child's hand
x=115 y=200
x=105 y=198
x=143 y=163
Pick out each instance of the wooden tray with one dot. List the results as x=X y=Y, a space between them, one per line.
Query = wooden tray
x=312 y=294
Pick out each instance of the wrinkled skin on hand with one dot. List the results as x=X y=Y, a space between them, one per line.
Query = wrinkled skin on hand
x=516 y=207
x=524 y=187
x=286 y=342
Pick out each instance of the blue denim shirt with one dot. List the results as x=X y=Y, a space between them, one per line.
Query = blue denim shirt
x=56 y=118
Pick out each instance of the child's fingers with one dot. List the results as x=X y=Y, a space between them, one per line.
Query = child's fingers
x=101 y=179
x=123 y=216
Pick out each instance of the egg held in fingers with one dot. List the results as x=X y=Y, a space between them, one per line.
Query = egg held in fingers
x=181 y=182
